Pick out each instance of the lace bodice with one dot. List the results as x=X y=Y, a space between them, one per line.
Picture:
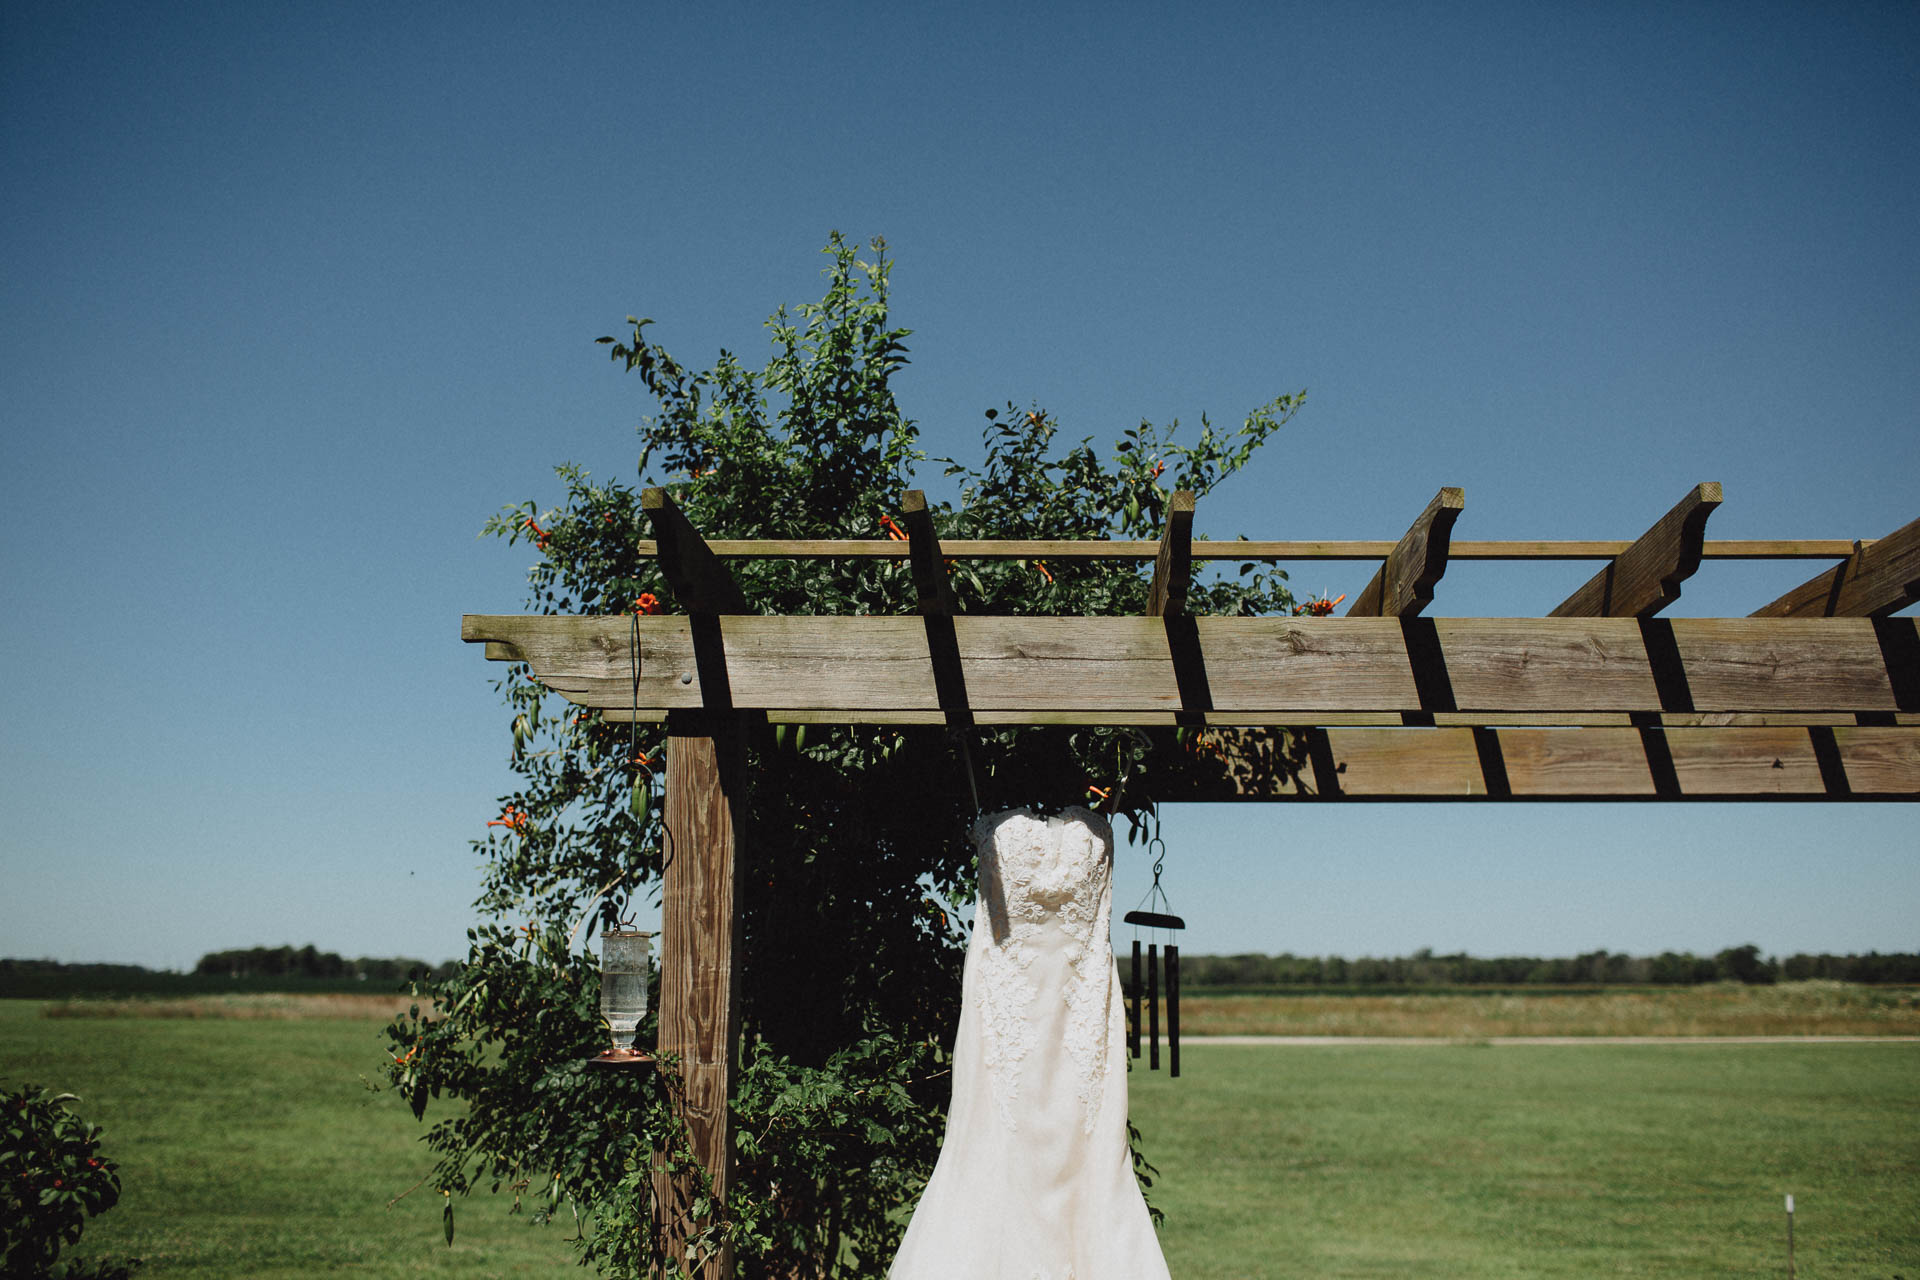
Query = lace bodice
x=1044 y=889
x=1032 y=867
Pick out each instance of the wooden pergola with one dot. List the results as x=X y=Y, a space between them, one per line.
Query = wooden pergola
x=1814 y=696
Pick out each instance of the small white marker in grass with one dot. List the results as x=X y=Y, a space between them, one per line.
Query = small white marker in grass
x=1789 y=1235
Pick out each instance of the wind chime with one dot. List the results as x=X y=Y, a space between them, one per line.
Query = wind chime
x=1145 y=916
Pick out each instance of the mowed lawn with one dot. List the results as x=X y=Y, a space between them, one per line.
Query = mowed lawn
x=250 y=1147
x=1536 y=1161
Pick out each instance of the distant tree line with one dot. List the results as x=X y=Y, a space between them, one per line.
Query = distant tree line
x=1596 y=968
x=252 y=969
x=309 y=962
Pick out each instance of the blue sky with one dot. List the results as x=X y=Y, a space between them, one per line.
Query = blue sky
x=296 y=295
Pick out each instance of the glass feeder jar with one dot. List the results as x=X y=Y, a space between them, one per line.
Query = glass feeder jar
x=623 y=989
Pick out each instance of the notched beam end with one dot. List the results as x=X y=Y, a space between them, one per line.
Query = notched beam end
x=1646 y=577
x=698 y=578
x=930 y=582
x=1173 y=567
x=486 y=629
x=1403 y=585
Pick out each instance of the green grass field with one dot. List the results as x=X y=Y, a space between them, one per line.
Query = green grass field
x=250 y=1147
x=1438 y=1160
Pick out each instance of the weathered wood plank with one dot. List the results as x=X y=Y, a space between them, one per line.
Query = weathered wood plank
x=1573 y=764
x=1606 y=761
x=1276 y=667
x=699 y=1007
x=1646 y=577
x=1173 y=566
x=1880 y=760
x=1876 y=579
x=1333 y=664
x=1519 y=665
x=1500 y=720
x=1246 y=549
x=1086 y=662
x=1324 y=719
x=1403 y=762
x=699 y=581
x=1798 y=664
x=1403 y=585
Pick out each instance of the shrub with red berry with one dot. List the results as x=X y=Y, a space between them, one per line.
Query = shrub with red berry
x=52 y=1179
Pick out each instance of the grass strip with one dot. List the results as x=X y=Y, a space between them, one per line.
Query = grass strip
x=1721 y=1009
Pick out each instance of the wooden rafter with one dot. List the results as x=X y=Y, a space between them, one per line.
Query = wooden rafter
x=1403 y=585
x=923 y=549
x=937 y=605
x=698 y=579
x=1874 y=580
x=1173 y=565
x=1646 y=577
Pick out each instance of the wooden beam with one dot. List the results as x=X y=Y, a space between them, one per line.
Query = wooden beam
x=699 y=581
x=699 y=1004
x=1876 y=579
x=1173 y=565
x=1243 y=549
x=929 y=566
x=1646 y=577
x=1323 y=719
x=1403 y=585
x=1575 y=764
x=1055 y=668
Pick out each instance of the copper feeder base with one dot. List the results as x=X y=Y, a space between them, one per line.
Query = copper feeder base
x=621 y=1060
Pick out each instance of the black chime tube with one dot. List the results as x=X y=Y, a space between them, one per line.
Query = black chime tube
x=1133 y=1024
x=1153 y=1006
x=1173 y=1010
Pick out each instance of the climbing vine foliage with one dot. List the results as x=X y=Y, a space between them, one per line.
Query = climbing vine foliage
x=855 y=852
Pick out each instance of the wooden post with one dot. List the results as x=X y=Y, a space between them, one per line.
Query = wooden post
x=699 y=1012
x=704 y=811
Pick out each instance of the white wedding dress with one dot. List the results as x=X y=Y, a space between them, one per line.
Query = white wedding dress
x=1034 y=1180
